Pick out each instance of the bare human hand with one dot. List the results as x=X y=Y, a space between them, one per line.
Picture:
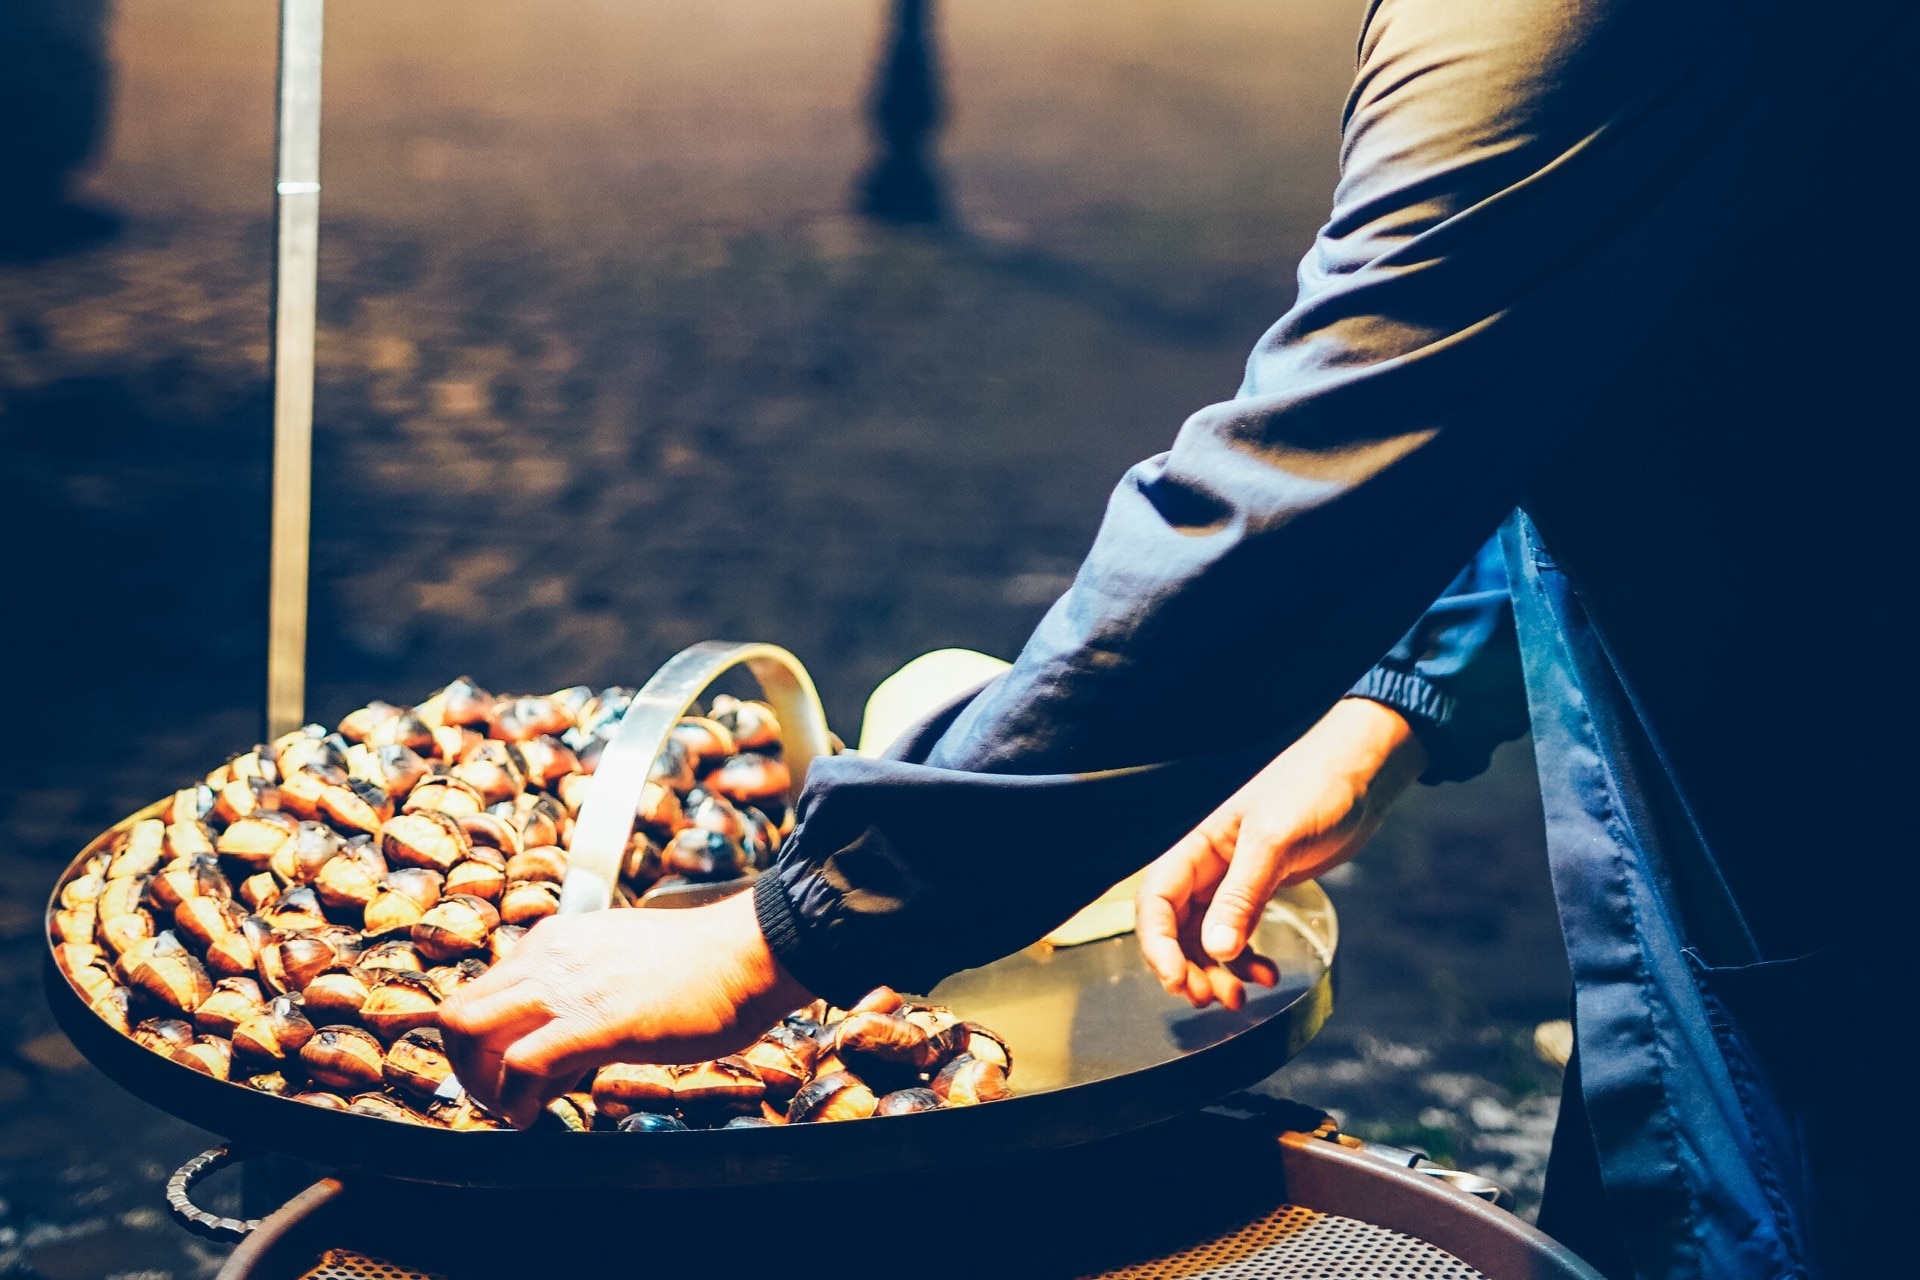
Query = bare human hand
x=1310 y=810
x=613 y=986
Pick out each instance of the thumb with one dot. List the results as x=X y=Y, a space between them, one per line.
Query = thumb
x=1252 y=877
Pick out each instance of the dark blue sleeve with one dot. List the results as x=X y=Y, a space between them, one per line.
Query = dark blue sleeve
x=1526 y=186
x=1456 y=674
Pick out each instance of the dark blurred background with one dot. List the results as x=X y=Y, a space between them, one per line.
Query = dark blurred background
x=646 y=322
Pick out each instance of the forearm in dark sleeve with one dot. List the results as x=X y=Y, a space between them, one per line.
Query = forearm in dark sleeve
x=1525 y=186
x=1456 y=675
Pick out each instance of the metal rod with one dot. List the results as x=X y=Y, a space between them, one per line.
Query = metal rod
x=296 y=264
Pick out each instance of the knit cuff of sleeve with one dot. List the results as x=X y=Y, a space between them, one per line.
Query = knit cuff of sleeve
x=1432 y=714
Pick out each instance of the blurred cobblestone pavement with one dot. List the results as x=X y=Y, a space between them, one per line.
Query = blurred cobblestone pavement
x=607 y=367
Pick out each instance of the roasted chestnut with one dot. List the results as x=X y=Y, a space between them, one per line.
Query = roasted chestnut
x=880 y=1000
x=259 y=889
x=189 y=839
x=750 y=1122
x=707 y=743
x=574 y=1112
x=190 y=804
x=325 y=1101
x=478 y=878
x=253 y=840
x=457 y=925
x=209 y=1055
x=394 y=768
x=246 y=797
x=987 y=1045
x=291 y=963
x=302 y=790
x=529 y=902
x=336 y=996
x=444 y=793
x=120 y=896
x=142 y=851
x=544 y=862
x=294 y=908
x=300 y=859
x=778 y=1067
x=905 y=1102
x=345 y=1058
x=404 y=730
x=652 y=1122
x=547 y=760
x=519 y=719
x=119 y=933
x=272 y=1082
x=357 y=724
x=463 y=702
x=417 y=1063
x=75 y=925
x=384 y=1107
x=751 y=778
x=163 y=1035
x=188 y=876
x=232 y=1002
x=968 y=1080
x=710 y=1090
x=349 y=881
x=399 y=1002
x=699 y=854
x=492 y=831
x=401 y=898
x=622 y=1088
x=464 y=1113
x=883 y=1048
x=426 y=838
x=205 y=920
x=237 y=954
x=837 y=1096
x=448 y=978
x=399 y=954
x=164 y=971
x=114 y=1006
x=504 y=940
x=494 y=769
x=275 y=1034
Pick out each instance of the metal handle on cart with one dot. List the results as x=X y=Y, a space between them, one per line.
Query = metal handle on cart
x=190 y=1215
x=605 y=822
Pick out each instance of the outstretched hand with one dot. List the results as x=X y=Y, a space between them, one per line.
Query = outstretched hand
x=1310 y=810
x=613 y=986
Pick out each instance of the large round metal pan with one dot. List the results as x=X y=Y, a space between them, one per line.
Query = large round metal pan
x=1098 y=1049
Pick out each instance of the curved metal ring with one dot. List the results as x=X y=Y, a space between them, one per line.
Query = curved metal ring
x=605 y=822
x=190 y=1215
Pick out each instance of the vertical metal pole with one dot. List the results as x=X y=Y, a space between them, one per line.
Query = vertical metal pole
x=296 y=263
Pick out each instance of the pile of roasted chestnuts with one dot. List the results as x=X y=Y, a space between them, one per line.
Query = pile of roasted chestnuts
x=292 y=922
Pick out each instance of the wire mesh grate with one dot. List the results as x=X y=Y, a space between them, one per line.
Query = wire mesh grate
x=345 y=1264
x=1292 y=1243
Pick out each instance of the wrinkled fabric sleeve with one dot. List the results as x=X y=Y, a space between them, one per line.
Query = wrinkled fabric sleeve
x=1456 y=675
x=1525 y=188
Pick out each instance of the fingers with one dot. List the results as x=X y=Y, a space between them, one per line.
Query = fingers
x=538 y=1068
x=1157 y=929
x=1163 y=905
x=478 y=1031
x=1251 y=878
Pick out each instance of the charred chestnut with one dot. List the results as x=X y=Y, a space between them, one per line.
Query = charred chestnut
x=246 y=797
x=294 y=908
x=652 y=1122
x=906 y=1102
x=142 y=850
x=403 y=730
x=449 y=978
x=417 y=1063
x=519 y=719
x=345 y=1058
x=394 y=768
x=350 y=881
x=837 y=1096
x=206 y=920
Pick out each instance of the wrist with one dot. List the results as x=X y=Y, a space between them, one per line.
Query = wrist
x=1387 y=754
x=762 y=988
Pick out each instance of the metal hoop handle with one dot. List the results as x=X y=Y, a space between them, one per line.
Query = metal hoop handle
x=211 y=1226
x=605 y=821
